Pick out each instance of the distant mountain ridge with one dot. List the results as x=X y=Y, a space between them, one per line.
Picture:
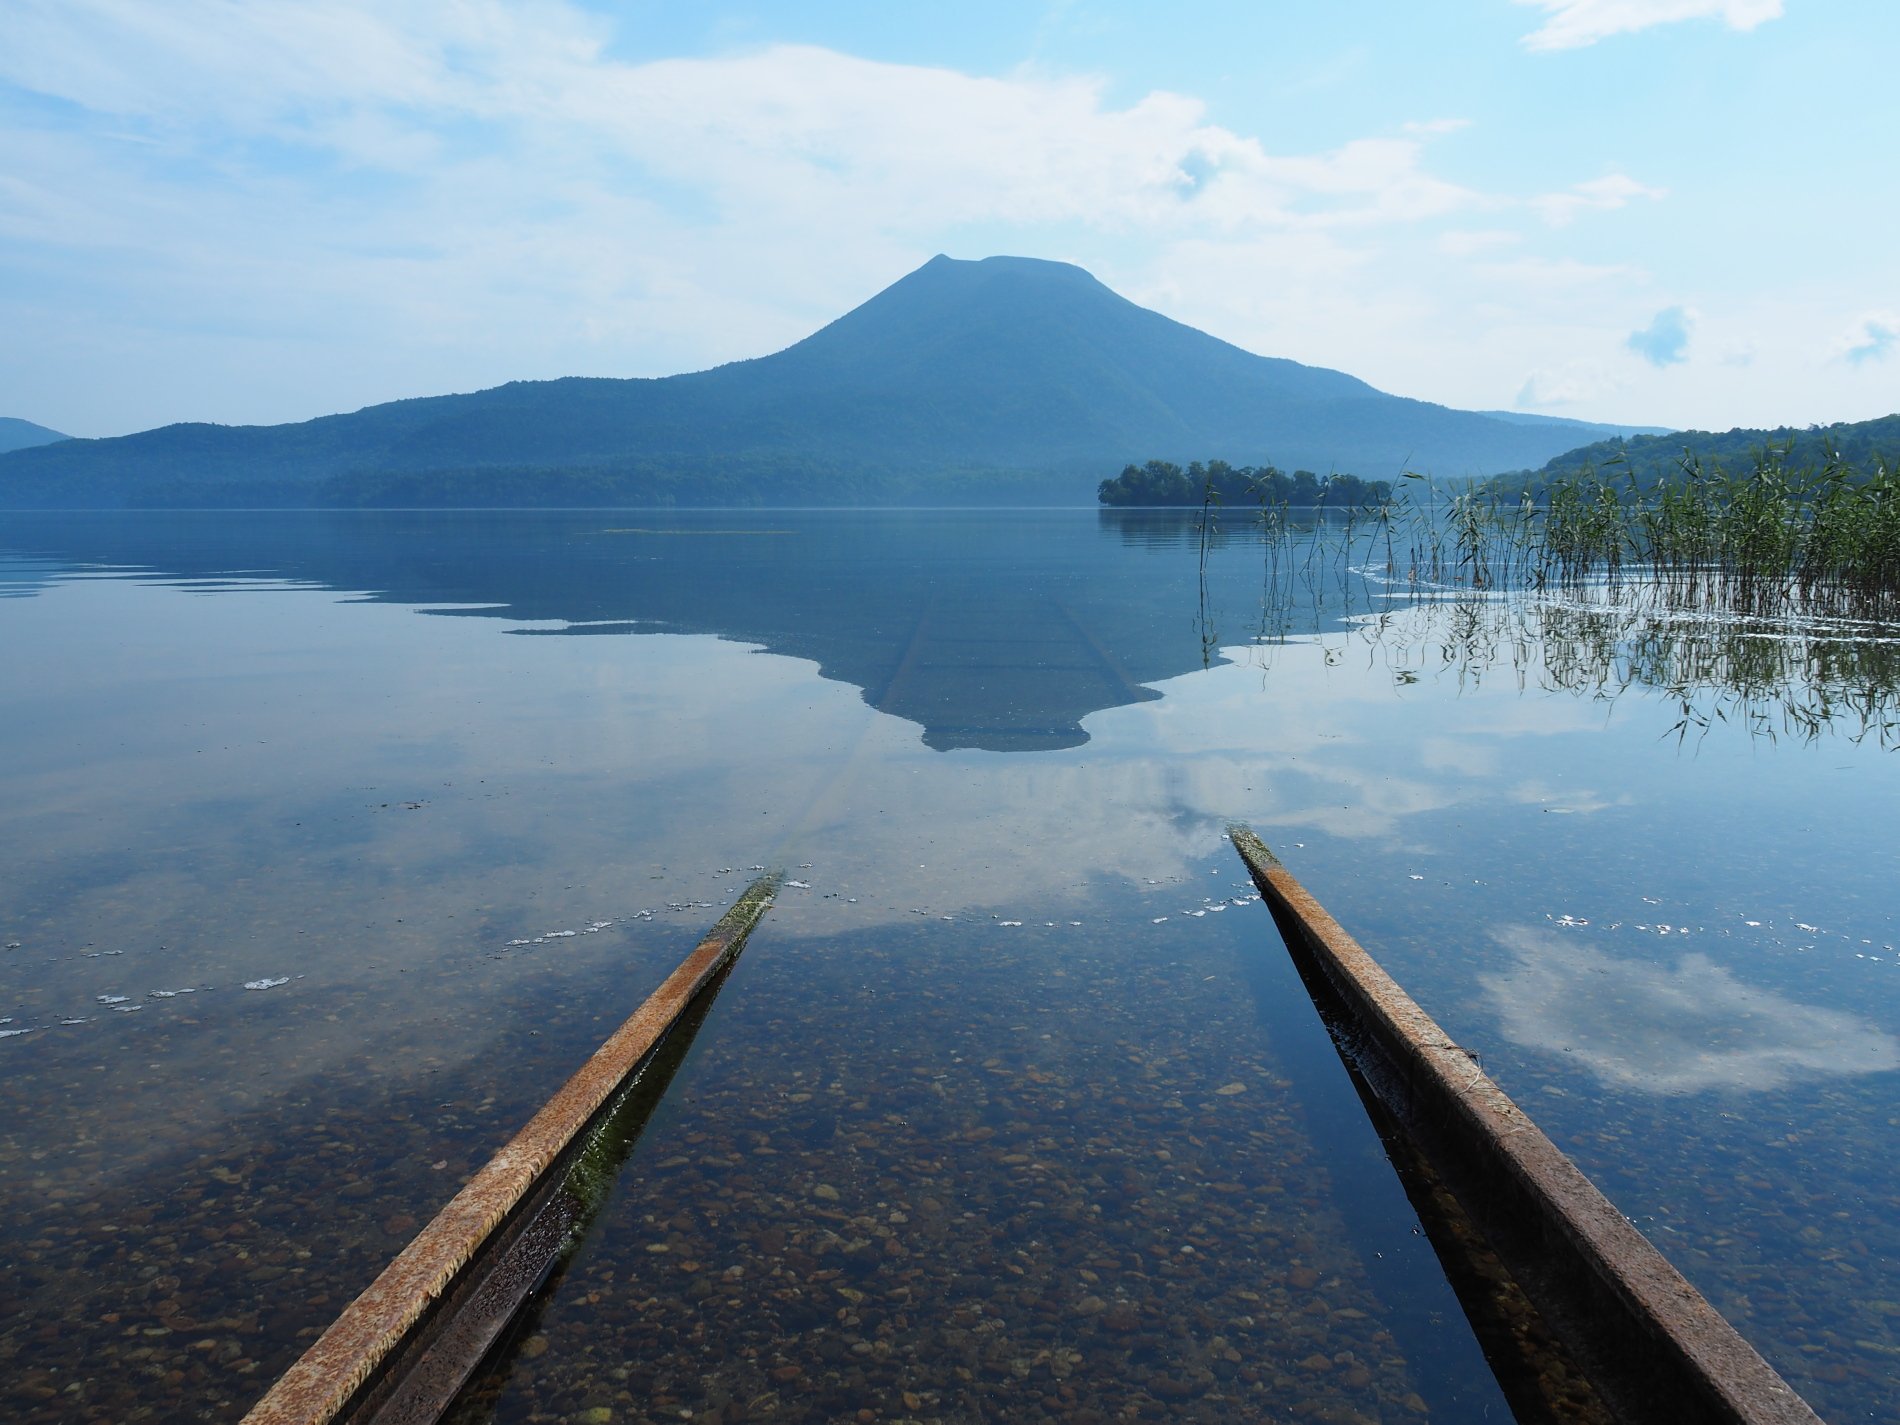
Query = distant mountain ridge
x=16 y=434
x=1597 y=428
x=1648 y=458
x=1006 y=380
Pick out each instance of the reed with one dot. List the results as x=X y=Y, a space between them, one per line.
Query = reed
x=1766 y=596
x=1769 y=539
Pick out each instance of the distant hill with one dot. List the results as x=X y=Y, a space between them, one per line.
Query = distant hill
x=16 y=434
x=1651 y=457
x=1009 y=380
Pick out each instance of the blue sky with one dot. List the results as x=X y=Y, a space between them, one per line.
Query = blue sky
x=1679 y=212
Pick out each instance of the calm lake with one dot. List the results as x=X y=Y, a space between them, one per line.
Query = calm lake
x=330 y=844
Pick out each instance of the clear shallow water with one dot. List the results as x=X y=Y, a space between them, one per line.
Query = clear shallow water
x=362 y=754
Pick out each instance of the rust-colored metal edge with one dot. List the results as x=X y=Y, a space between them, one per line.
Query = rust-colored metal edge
x=323 y=1383
x=468 y=1331
x=1655 y=1349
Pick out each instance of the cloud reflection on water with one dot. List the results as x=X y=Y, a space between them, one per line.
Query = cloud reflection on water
x=1678 y=1029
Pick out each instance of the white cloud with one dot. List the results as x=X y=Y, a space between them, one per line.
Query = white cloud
x=1656 y=1028
x=471 y=192
x=1872 y=338
x=1554 y=273
x=1571 y=384
x=1575 y=23
x=264 y=212
x=1598 y=195
x=796 y=128
x=1468 y=242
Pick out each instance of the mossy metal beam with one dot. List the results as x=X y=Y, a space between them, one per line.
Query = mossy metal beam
x=1655 y=1350
x=402 y=1349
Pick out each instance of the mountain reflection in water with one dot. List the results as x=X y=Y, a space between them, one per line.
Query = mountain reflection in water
x=1016 y=986
x=977 y=628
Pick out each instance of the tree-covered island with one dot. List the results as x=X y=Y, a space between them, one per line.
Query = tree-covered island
x=1160 y=482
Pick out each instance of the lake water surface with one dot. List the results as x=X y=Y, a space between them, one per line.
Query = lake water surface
x=331 y=843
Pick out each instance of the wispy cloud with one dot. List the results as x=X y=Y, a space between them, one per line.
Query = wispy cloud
x=1665 y=341
x=227 y=211
x=1568 y=385
x=1573 y=24
x=1873 y=338
x=1554 y=274
x=1597 y=195
x=489 y=183
x=1691 y=1028
x=1470 y=242
x=798 y=128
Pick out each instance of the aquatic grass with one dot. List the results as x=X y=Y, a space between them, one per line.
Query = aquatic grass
x=1766 y=597
x=1768 y=539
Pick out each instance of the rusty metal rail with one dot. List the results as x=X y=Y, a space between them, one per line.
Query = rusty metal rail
x=404 y=1348
x=1652 y=1346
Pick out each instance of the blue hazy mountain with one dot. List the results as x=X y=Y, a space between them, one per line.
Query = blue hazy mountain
x=1583 y=430
x=1007 y=380
x=16 y=434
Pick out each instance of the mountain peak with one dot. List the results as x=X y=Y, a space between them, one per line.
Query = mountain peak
x=998 y=263
x=16 y=434
x=993 y=330
x=1000 y=375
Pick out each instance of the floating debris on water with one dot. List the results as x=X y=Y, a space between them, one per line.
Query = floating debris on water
x=127 y=1008
x=267 y=984
x=798 y=885
x=112 y=999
